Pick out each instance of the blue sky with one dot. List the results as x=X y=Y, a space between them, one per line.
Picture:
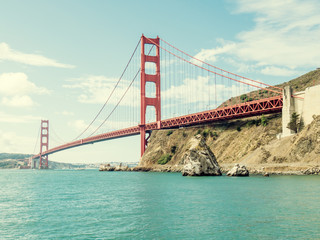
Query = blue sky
x=50 y=50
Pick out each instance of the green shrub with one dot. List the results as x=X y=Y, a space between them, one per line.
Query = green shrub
x=169 y=132
x=264 y=121
x=213 y=134
x=184 y=134
x=173 y=149
x=198 y=132
x=205 y=133
x=294 y=122
x=238 y=128
x=251 y=123
x=164 y=159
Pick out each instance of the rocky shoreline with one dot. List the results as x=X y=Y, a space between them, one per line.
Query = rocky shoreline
x=207 y=152
x=315 y=170
x=198 y=160
x=263 y=171
x=239 y=142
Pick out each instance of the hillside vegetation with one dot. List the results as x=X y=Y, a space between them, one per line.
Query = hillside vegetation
x=12 y=160
x=15 y=156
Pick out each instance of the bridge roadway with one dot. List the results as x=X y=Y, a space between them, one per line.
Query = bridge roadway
x=248 y=109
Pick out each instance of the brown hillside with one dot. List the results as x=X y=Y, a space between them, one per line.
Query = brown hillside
x=241 y=141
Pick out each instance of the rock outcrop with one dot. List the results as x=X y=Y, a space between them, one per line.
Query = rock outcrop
x=199 y=160
x=108 y=167
x=238 y=170
x=312 y=171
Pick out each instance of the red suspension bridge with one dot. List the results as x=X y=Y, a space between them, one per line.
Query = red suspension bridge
x=187 y=91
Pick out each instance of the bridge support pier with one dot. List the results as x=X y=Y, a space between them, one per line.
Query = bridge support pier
x=154 y=78
x=287 y=110
x=143 y=141
x=44 y=144
x=30 y=162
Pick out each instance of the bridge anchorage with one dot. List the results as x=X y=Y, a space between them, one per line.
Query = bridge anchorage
x=188 y=92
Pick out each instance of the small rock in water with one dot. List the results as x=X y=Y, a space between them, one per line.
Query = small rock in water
x=106 y=167
x=266 y=174
x=238 y=170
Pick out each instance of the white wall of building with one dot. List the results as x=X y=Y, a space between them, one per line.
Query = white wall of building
x=306 y=104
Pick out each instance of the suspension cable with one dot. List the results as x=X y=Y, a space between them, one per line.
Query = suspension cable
x=119 y=99
x=218 y=67
x=125 y=69
x=34 y=149
x=213 y=71
x=115 y=105
x=58 y=137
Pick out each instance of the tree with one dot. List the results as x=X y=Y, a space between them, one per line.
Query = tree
x=294 y=122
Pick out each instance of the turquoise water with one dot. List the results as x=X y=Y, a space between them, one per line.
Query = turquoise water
x=130 y=205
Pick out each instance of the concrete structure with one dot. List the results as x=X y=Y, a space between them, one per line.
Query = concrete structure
x=311 y=104
x=306 y=104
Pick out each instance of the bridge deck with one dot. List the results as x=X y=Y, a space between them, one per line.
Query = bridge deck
x=248 y=109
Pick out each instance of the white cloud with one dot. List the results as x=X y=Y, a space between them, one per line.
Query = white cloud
x=8 y=118
x=164 y=62
x=18 y=83
x=15 y=88
x=150 y=68
x=17 y=101
x=7 y=53
x=12 y=143
x=285 y=37
x=211 y=54
x=65 y=113
x=79 y=125
x=199 y=94
x=276 y=71
x=96 y=89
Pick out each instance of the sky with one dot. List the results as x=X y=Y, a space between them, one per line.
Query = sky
x=59 y=59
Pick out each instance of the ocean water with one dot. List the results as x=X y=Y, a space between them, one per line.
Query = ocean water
x=89 y=204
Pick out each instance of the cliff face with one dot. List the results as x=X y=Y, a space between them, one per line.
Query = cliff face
x=251 y=142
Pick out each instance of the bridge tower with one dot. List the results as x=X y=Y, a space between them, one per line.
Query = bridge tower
x=154 y=78
x=44 y=144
